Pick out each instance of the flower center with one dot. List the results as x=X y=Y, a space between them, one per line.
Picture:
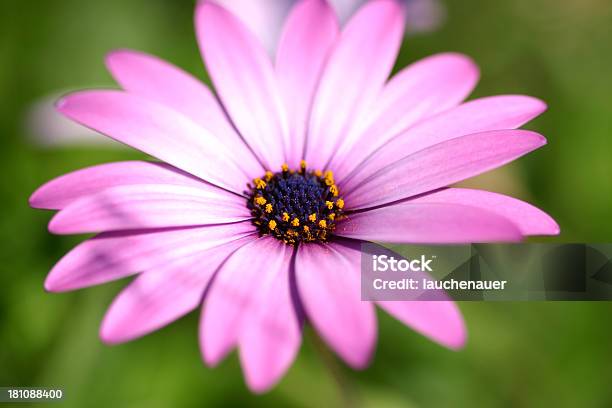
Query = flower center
x=295 y=206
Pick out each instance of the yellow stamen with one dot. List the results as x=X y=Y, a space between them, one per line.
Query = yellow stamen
x=323 y=224
x=332 y=216
x=285 y=217
x=329 y=205
x=312 y=217
x=295 y=222
x=269 y=175
x=329 y=174
x=303 y=164
x=285 y=167
x=334 y=190
x=260 y=200
x=340 y=203
x=259 y=183
x=306 y=229
x=329 y=182
x=272 y=225
x=318 y=173
x=269 y=208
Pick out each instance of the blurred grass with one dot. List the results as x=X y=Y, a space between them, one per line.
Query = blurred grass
x=519 y=354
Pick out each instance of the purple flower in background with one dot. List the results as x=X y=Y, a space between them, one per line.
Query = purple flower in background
x=262 y=197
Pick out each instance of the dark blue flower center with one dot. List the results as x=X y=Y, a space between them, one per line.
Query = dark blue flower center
x=295 y=206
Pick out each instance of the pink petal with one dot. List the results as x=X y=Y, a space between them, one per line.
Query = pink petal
x=163 y=294
x=244 y=79
x=480 y=115
x=528 y=219
x=309 y=33
x=441 y=165
x=419 y=91
x=61 y=191
x=270 y=338
x=416 y=222
x=155 y=79
x=158 y=131
x=149 y=206
x=355 y=73
x=250 y=304
x=441 y=321
x=115 y=255
x=328 y=281
x=160 y=81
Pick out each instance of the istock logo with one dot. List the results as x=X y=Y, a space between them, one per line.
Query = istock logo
x=383 y=263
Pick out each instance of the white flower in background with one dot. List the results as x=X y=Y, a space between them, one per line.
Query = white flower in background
x=47 y=128
x=265 y=17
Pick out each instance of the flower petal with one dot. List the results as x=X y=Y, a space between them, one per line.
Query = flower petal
x=528 y=219
x=155 y=79
x=249 y=304
x=480 y=115
x=163 y=294
x=244 y=79
x=309 y=33
x=158 y=131
x=433 y=223
x=271 y=336
x=356 y=71
x=441 y=165
x=149 y=206
x=328 y=281
x=160 y=81
x=61 y=191
x=419 y=91
x=441 y=321
x=115 y=255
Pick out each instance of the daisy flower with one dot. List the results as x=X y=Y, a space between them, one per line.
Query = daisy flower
x=265 y=191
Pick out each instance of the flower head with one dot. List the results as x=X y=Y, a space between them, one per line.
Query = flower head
x=309 y=196
x=260 y=202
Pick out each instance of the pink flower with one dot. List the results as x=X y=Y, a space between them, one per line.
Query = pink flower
x=236 y=221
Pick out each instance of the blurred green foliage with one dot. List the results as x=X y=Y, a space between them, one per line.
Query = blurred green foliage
x=519 y=354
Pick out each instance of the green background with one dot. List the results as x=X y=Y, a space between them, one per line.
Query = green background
x=519 y=354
